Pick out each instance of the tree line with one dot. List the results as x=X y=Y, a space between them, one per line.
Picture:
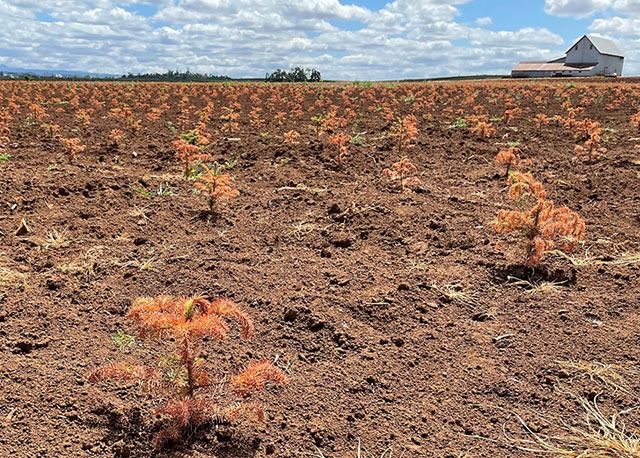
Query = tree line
x=295 y=75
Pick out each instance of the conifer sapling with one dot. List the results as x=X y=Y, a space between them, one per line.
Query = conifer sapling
x=216 y=185
x=180 y=378
x=543 y=226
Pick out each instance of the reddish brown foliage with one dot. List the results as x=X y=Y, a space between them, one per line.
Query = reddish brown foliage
x=511 y=158
x=188 y=153
x=185 y=321
x=403 y=174
x=542 y=226
x=340 y=149
x=216 y=185
x=405 y=131
x=73 y=147
x=483 y=129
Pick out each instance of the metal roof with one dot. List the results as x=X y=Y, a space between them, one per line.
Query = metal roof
x=542 y=66
x=603 y=45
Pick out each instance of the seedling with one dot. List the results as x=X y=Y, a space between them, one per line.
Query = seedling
x=216 y=185
x=4 y=157
x=340 y=149
x=483 y=129
x=542 y=227
x=163 y=190
x=188 y=153
x=122 y=340
x=73 y=147
x=635 y=120
x=403 y=175
x=181 y=377
x=511 y=158
x=405 y=131
x=357 y=140
x=291 y=137
x=460 y=123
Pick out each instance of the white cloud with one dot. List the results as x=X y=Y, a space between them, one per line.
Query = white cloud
x=576 y=8
x=406 y=38
x=616 y=26
x=630 y=7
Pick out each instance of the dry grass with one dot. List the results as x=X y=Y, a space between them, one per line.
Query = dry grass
x=149 y=264
x=89 y=263
x=302 y=228
x=11 y=280
x=587 y=260
x=611 y=375
x=141 y=213
x=534 y=287
x=417 y=265
x=626 y=259
x=57 y=239
x=455 y=292
x=361 y=452
x=597 y=436
x=302 y=187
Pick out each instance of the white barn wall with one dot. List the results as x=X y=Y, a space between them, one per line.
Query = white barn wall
x=612 y=64
x=586 y=53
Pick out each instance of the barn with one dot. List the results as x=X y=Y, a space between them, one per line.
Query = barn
x=589 y=56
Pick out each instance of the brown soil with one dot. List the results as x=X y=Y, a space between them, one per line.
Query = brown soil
x=344 y=276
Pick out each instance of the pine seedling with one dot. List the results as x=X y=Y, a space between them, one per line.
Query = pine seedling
x=405 y=131
x=635 y=120
x=340 y=143
x=188 y=153
x=483 y=129
x=403 y=175
x=116 y=136
x=216 y=185
x=511 y=158
x=291 y=137
x=181 y=380
x=543 y=227
x=73 y=147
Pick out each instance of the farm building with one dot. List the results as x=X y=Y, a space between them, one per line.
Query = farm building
x=589 y=56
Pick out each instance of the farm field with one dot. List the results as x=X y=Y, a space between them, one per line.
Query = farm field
x=402 y=319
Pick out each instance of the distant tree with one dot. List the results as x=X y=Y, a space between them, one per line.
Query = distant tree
x=315 y=76
x=295 y=75
x=176 y=75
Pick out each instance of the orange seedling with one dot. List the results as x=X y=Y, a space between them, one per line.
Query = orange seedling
x=511 y=158
x=405 y=131
x=73 y=147
x=591 y=150
x=543 y=227
x=291 y=137
x=50 y=129
x=181 y=376
x=216 y=185
x=541 y=119
x=483 y=129
x=116 y=136
x=403 y=174
x=188 y=153
x=635 y=120
x=340 y=147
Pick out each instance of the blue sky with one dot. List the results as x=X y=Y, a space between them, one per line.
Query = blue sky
x=344 y=39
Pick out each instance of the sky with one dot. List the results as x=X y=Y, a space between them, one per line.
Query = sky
x=343 y=39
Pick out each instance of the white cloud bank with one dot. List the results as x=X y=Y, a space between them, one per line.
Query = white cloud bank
x=406 y=38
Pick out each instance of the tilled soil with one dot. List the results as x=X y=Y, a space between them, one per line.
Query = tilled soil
x=396 y=315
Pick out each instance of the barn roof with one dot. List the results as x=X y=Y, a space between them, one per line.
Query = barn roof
x=603 y=45
x=544 y=66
